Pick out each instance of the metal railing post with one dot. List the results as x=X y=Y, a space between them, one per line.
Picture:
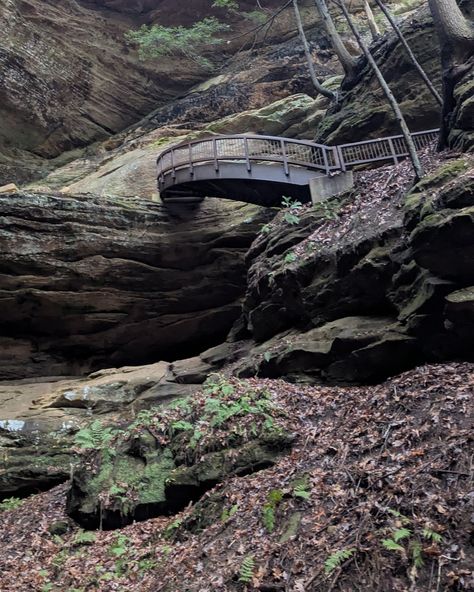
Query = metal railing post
x=247 y=155
x=214 y=148
x=173 y=170
x=191 y=166
x=285 y=157
x=340 y=157
x=393 y=151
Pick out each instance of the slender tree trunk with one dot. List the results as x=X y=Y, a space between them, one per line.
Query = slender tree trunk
x=374 y=30
x=348 y=62
x=456 y=37
x=415 y=62
x=309 y=59
x=388 y=93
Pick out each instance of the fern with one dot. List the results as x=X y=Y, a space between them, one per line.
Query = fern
x=228 y=513
x=84 y=538
x=94 y=435
x=337 y=559
x=431 y=535
x=301 y=490
x=400 y=534
x=416 y=550
x=268 y=513
x=182 y=426
x=10 y=503
x=246 y=570
x=268 y=518
x=391 y=545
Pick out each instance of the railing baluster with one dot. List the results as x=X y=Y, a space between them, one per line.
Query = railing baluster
x=393 y=151
x=191 y=165
x=173 y=171
x=247 y=155
x=285 y=157
x=214 y=150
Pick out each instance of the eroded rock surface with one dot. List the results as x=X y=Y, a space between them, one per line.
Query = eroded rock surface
x=387 y=285
x=89 y=283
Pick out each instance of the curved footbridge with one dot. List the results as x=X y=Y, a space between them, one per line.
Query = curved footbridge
x=262 y=169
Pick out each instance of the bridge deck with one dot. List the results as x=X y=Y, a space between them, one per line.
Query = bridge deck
x=261 y=169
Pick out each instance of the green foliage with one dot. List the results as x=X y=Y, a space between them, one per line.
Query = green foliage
x=171 y=529
x=94 y=436
x=228 y=4
x=268 y=512
x=431 y=535
x=300 y=490
x=118 y=548
x=327 y=209
x=247 y=569
x=157 y=41
x=182 y=426
x=291 y=206
x=266 y=229
x=228 y=513
x=391 y=545
x=416 y=553
x=337 y=559
x=84 y=537
x=290 y=257
x=10 y=503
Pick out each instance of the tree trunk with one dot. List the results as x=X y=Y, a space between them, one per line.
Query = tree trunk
x=388 y=93
x=415 y=62
x=309 y=59
x=348 y=62
x=374 y=30
x=451 y=22
x=456 y=37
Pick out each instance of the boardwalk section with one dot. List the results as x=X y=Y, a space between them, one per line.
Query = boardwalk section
x=261 y=169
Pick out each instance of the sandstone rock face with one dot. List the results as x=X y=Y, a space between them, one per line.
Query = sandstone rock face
x=88 y=283
x=83 y=83
x=382 y=290
x=364 y=110
x=39 y=418
x=91 y=89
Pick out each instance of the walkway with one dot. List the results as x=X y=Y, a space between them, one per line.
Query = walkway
x=261 y=169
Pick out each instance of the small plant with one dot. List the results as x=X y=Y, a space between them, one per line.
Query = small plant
x=292 y=206
x=247 y=569
x=290 y=257
x=337 y=559
x=94 y=436
x=268 y=513
x=10 y=503
x=172 y=528
x=84 y=537
x=228 y=513
x=407 y=541
x=301 y=490
x=327 y=209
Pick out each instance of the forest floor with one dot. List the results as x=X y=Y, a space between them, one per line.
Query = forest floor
x=374 y=495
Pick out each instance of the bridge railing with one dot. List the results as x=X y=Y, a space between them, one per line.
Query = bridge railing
x=248 y=149
x=391 y=148
x=287 y=152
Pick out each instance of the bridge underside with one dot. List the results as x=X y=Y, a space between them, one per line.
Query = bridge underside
x=264 y=184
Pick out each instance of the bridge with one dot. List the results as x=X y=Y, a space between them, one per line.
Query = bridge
x=262 y=169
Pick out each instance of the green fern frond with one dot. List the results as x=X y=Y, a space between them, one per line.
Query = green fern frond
x=301 y=491
x=416 y=552
x=431 y=535
x=391 y=545
x=336 y=559
x=246 y=570
x=400 y=534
